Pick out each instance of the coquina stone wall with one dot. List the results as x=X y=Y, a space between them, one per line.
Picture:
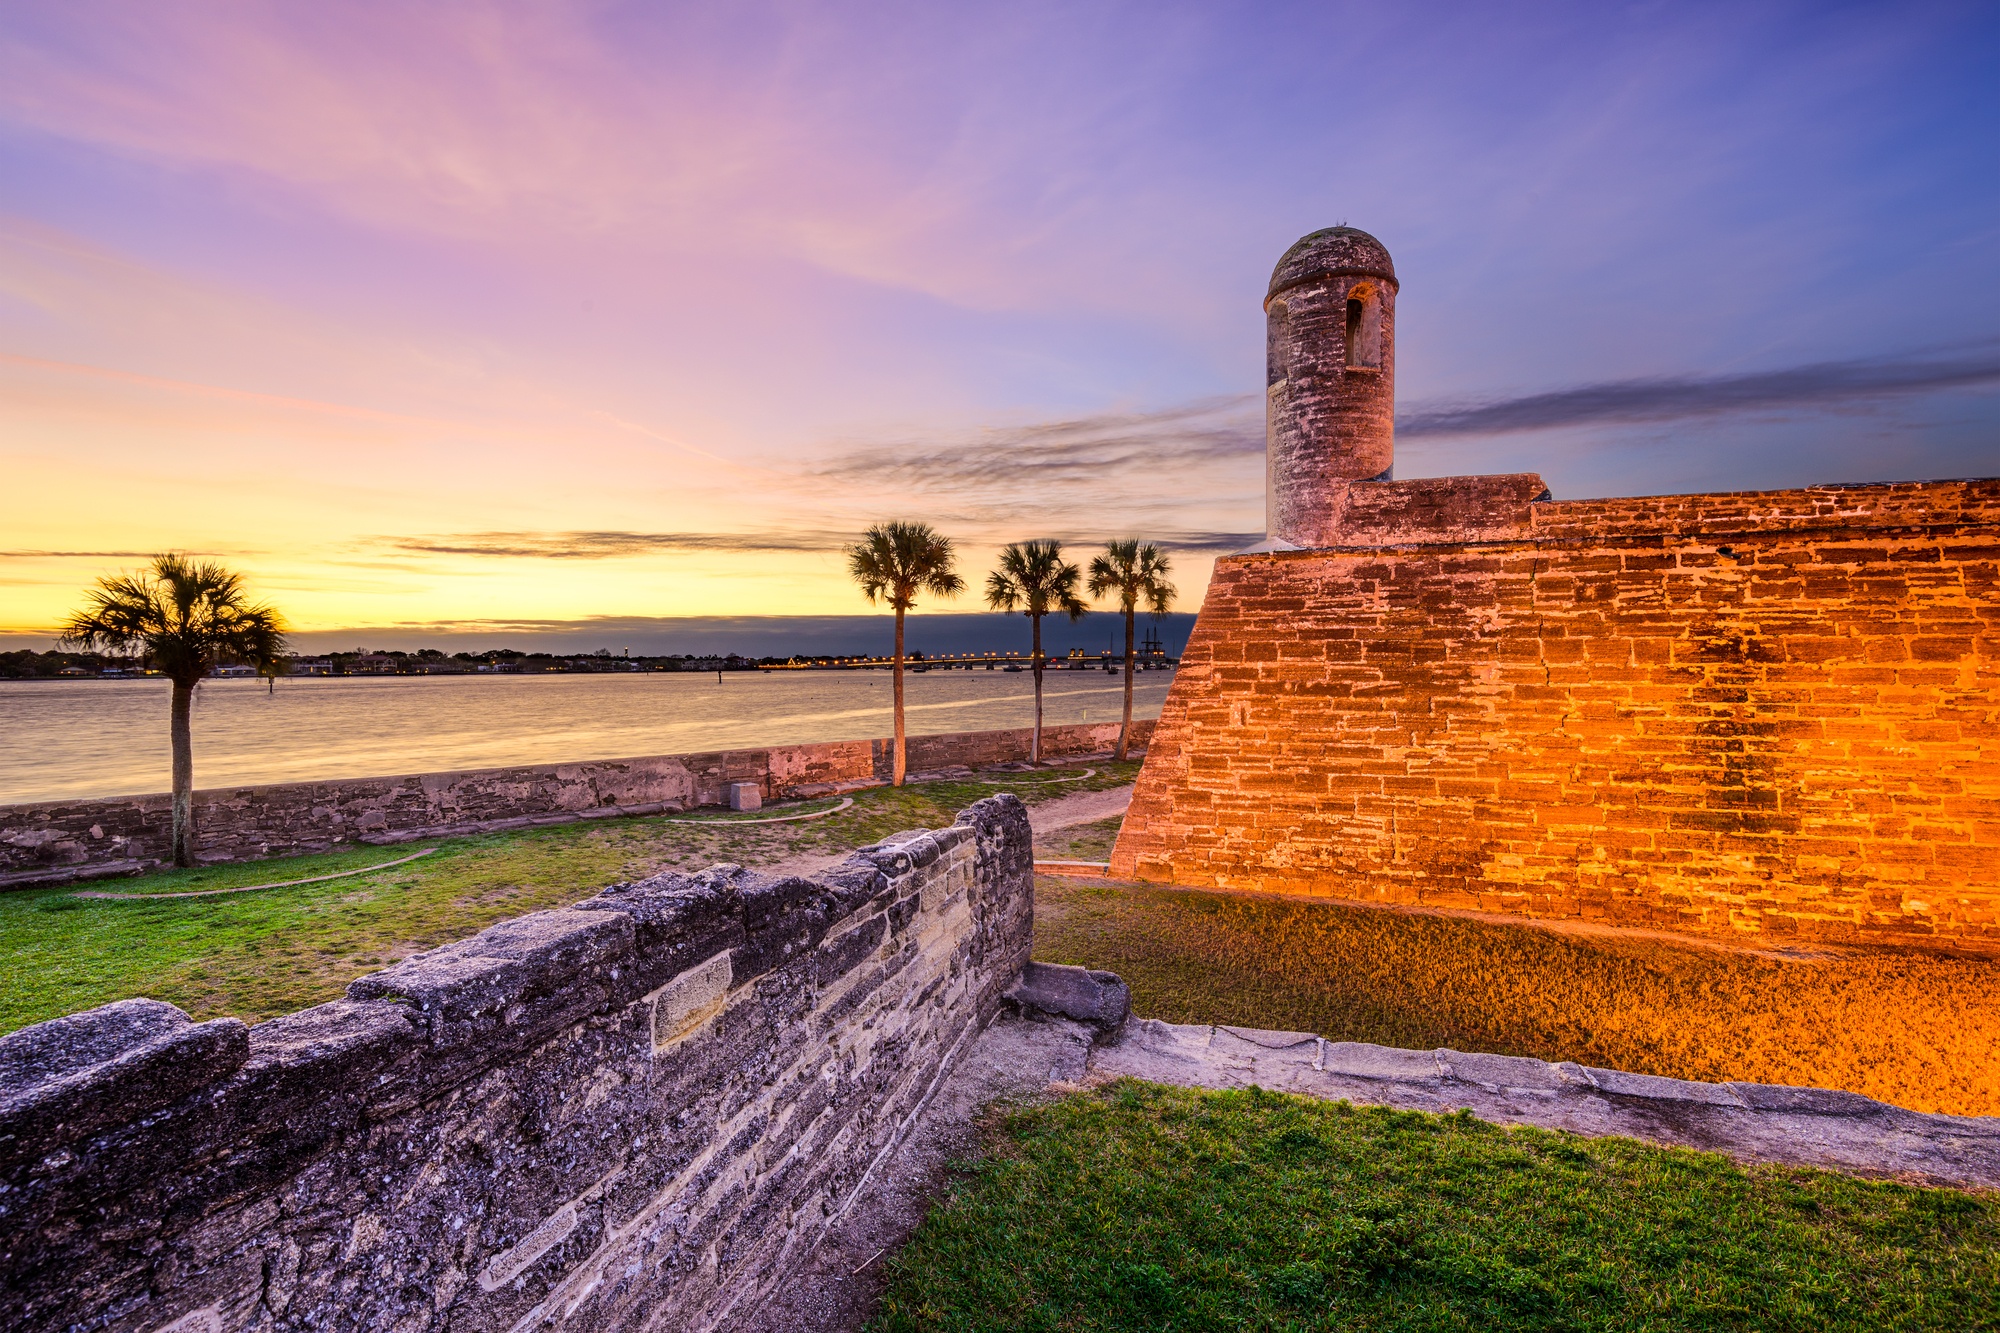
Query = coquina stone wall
x=637 y=1112
x=1772 y=713
x=58 y=839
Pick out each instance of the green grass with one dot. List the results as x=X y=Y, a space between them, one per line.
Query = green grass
x=1139 y=1207
x=258 y=955
x=1918 y=1031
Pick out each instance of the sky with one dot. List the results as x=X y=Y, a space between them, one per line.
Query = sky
x=473 y=319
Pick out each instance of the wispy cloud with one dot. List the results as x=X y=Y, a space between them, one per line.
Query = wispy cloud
x=76 y=555
x=1092 y=449
x=1082 y=479
x=1066 y=470
x=613 y=545
x=625 y=545
x=1818 y=386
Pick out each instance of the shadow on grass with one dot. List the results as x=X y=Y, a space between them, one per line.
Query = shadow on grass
x=1918 y=1031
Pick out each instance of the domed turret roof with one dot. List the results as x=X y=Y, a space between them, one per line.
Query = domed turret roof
x=1329 y=251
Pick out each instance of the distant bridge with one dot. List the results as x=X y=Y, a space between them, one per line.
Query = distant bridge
x=1111 y=662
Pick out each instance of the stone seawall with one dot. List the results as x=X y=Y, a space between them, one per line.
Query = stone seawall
x=66 y=839
x=1770 y=713
x=638 y=1112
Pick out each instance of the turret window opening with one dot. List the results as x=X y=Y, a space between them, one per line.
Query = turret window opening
x=1278 y=344
x=1364 y=330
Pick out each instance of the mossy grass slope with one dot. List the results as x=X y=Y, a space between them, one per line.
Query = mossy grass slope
x=1915 y=1030
x=1139 y=1207
x=257 y=955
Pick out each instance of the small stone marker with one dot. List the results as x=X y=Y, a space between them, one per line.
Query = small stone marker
x=746 y=796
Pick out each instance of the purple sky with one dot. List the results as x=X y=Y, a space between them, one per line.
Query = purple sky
x=460 y=314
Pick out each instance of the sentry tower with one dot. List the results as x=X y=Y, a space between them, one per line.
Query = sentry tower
x=1330 y=396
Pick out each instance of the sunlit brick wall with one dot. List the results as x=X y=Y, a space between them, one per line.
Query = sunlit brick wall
x=1774 y=713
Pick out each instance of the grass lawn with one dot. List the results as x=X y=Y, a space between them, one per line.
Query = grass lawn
x=258 y=955
x=1140 y=1207
x=1918 y=1031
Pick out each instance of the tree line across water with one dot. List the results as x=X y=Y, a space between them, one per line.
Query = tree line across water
x=182 y=618
x=28 y=664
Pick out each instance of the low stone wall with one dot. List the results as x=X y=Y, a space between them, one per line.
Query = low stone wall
x=638 y=1112
x=65 y=839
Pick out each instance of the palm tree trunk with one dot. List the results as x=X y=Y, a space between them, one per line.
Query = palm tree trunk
x=1035 y=750
x=183 y=836
x=898 y=671
x=1125 y=728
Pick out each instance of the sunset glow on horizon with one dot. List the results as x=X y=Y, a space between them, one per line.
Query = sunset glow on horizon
x=491 y=313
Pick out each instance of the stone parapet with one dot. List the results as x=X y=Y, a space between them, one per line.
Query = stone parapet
x=1515 y=507
x=1765 y=1122
x=122 y=835
x=638 y=1112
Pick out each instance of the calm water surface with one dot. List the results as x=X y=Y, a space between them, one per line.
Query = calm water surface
x=62 y=739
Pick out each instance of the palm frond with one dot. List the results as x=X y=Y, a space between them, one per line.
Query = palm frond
x=1034 y=579
x=181 y=616
x=1136 y=573
x=893 y=562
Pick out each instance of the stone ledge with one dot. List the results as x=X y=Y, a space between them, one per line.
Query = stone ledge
x=1074 y=869
x=1817 y=1127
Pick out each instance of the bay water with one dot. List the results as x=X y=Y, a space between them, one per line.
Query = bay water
x=68 y=739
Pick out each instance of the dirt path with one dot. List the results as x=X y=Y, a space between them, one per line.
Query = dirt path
x=1084 y=807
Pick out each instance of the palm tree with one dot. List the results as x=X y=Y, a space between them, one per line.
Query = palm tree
x=184 y=618
x=1137 y=573
x=1035 y=580
x=893 y=562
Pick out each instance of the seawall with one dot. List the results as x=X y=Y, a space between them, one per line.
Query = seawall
x=638 y=1112
x=54 y=840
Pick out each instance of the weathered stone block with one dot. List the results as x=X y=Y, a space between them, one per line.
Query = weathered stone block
x=513 y=982
x=74 y=1076
x=1100 y=999
x=677 y=921
x=690 y=1000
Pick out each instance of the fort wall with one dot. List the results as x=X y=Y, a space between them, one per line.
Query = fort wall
x=1774 y=714
x=63 y=839
x=638 y=1112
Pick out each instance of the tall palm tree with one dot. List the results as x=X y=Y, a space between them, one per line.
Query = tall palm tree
x=1035 y=580
x=893 y=562
x=1137 y=573
x=183 y=617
